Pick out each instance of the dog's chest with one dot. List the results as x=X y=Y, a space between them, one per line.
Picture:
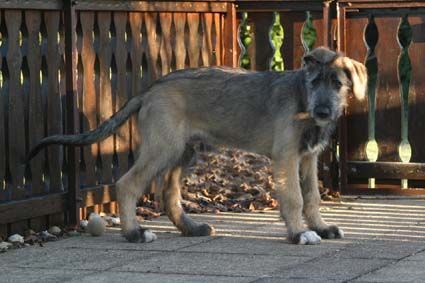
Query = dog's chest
x=314 y=139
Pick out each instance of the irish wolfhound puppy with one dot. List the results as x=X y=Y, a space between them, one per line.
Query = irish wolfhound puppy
x=287 y=116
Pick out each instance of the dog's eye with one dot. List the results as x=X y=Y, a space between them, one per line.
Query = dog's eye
x=337 y=83
x=316 y=81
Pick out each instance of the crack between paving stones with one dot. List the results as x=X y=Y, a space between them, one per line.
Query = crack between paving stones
x=197 y=244
x=383 y=266
x=196 y=252
x=295 y=264
x=183 y=273
x=130 y=260
x=110 y=268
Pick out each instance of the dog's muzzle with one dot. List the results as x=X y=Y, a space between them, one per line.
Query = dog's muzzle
x=322 y=114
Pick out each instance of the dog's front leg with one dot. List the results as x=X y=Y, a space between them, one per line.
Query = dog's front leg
x=286 y=177
x=311 y=197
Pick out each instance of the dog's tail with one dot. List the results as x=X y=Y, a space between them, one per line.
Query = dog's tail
x=106 y=129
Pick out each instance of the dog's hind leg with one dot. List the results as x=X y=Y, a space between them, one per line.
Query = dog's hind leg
x=161 y=149
x=128 y=190
x=173 y=207
x=311 y=197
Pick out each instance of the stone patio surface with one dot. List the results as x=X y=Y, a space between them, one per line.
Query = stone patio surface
x=385 y=242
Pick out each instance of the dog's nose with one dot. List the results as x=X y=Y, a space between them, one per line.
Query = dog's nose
x=322 y=112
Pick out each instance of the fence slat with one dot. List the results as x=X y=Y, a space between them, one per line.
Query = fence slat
x=217 y=39
x=136 y=51
x=166 y=49
x=207 y=47
x=194 y=46
x=388 y=124
x=16 y=126
x=54 y=113
x=88 y=108
x=263 y=50
x=417 y=97
x=180 y=49
x=2 y=133
x=123 y=133
x=105 y=93
x=153 y=42
x=35 y=107
x=357 y=110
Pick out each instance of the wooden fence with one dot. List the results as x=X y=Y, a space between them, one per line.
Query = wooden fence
x=382 y=137
x=66 y=66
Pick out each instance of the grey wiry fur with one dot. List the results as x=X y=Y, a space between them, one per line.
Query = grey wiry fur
x=287 y=116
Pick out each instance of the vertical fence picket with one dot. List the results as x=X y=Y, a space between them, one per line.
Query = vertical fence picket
x=217 y=40
x=194 y=45
x=3 y=141
x=153 y=42
x=122 y=136
x=166 y=49
x=35 y=105
x=180 y=49
x=105 y=93
x=207 y=48
x=54 y=113
x=356 y=111
x=263 y=50
x=88 y=107
x=135 y=20
x=16 y=126
x=388 y=124
x=417 y=90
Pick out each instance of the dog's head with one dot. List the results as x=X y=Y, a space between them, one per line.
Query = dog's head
x=330 y=78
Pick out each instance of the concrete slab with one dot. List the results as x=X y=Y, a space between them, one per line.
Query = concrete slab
x=133 y=277
x=239 y=265
x=330 y=268
x=271 y=279
x=403 y=271
x=114 y=241
x=240 y=245
x=68 y=258
x=391 y=250
x=420 y=256
x=36 y=275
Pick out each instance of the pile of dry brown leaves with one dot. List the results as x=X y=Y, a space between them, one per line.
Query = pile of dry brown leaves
x=224 y=180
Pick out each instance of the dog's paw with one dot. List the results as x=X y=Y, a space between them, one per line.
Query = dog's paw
x=140 y=235
x=330 y=232
x=149 y=236
x=307 y=238
x=200 y=230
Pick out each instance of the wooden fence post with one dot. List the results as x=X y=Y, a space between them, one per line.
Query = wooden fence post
x=342 y=128
x=230 y=36
x=74 y=199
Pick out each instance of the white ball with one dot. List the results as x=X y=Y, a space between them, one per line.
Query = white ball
x=96 y=225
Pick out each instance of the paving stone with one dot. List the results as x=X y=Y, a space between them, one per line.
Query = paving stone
x=330 y=268
x=266 y=247
x=420 y=256
x=113 y=240
x=69 y=258
x=211 y=264
x=271 y=279
x=134 y=277
x=379 y=250
x=33 y=275
x=403 y=271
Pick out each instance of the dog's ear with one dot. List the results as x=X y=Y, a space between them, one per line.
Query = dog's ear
x=319 y=56
x=357 y=74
